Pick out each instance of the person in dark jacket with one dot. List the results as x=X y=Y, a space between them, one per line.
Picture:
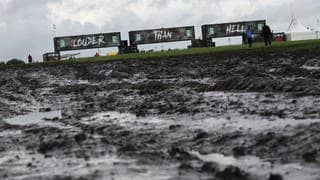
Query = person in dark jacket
x=30 y=59
x=244 y=38
x=267 y=35
x=249 y=35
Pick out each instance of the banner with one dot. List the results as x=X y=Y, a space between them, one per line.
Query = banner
x=231 y=29
x=90 y=41
x=162 y=35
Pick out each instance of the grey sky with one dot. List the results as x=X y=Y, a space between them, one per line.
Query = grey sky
x=26 y=25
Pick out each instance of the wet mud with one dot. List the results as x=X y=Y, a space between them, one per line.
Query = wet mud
x=244 y=117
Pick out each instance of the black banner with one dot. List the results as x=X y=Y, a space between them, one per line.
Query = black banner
x=90 y=41
x=162 y=35
x=231 y=29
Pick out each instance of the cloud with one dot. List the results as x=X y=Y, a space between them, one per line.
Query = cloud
x=26 y=26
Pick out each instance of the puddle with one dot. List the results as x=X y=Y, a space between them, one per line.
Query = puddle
x=311 y=67
x=263 y=168
x=226 y=124
x=126 y=119
x=34 y=118
x=250 y=123
x=224 y=161
x=9 y=133
x=106 y=167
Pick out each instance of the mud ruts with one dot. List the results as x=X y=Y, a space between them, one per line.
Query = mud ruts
x=193 y=117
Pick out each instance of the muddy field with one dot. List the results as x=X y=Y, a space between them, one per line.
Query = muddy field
x=226 y=117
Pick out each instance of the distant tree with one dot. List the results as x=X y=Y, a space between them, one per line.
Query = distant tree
x=15 y=62
x=2 y=63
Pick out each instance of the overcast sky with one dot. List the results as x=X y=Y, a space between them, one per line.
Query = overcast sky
x=26 y=26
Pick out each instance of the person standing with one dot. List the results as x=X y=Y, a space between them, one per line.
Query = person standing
x=267 y=35
x=249 y=35
x=30 y=59
x=244 y=38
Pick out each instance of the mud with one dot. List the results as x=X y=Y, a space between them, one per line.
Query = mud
x=254 y=117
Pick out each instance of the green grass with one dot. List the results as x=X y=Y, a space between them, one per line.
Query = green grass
x=258 y=48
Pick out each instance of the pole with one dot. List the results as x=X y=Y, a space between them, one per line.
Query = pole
x=54 y=27
x=293 y=19
x=292 y=10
